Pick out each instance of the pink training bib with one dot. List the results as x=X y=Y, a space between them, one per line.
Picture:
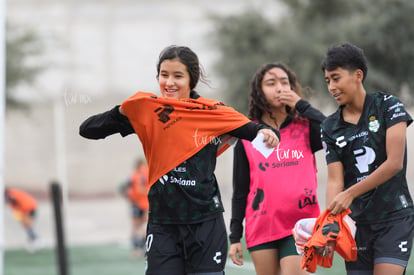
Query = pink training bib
x=283 y=187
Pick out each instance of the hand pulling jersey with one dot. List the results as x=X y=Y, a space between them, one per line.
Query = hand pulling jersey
x=172 y=130
x=361 y=149
x=184 y=189
x=181 y=140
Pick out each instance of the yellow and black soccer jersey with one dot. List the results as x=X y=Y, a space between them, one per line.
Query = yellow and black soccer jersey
x=361 y=149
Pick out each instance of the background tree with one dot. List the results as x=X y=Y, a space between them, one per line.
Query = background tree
x=22 y=48
x=301 y=37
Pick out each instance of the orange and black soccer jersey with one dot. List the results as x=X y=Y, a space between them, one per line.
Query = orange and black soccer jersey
x=173 y=130
x=185 y=189
x=20 y=200
x=329 y=227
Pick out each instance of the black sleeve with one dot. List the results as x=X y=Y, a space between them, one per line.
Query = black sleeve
x=241 y=177
x=315 y=119
x=241 y=183
x=105 y=124
x=249 y=131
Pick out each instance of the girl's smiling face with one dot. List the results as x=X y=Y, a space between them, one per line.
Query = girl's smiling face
x=342 y=84
x=174 y=79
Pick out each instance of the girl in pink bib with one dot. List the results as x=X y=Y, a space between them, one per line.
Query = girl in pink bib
x=271 y=194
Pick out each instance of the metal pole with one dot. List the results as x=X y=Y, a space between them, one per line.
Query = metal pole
x=56 y=195
x=61 y=171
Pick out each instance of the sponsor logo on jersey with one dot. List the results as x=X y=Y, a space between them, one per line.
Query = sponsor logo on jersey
x=262 y=167
x=265 y=165
x=203 y=106
x=180 y=181
x=395 y=115
x=398 y=110
x=216 y=201
x=163 y=179
x=361 y=178
x=403 y=201
x=309 y=200
x=217 y=257
x=258 y=198
x=164 y=113
x=325 y=148
x=359 y=135
x=396 y=106
x=331 y=230
x=364 y=157
x=180 y=169
x=373 y=124
x=403 y=246
x=341 y=142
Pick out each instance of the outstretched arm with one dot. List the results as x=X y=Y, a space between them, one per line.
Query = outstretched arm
x=250 y=130
x=105 y=124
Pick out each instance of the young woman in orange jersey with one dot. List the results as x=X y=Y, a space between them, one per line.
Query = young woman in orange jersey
x=181 y=133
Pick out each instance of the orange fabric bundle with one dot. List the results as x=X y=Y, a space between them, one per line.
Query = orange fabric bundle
x=329 y=227
x=173 y=130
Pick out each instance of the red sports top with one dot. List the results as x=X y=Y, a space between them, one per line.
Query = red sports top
x=173 y=130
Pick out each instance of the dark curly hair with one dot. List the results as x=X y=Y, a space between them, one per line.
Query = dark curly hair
x=346 y=56
x=257 y=102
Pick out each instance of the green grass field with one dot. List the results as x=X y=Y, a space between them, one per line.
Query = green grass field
x=109 y=259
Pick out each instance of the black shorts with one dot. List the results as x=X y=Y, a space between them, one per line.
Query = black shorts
x=285 y=246
x=187 y=249
x=388 y=242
